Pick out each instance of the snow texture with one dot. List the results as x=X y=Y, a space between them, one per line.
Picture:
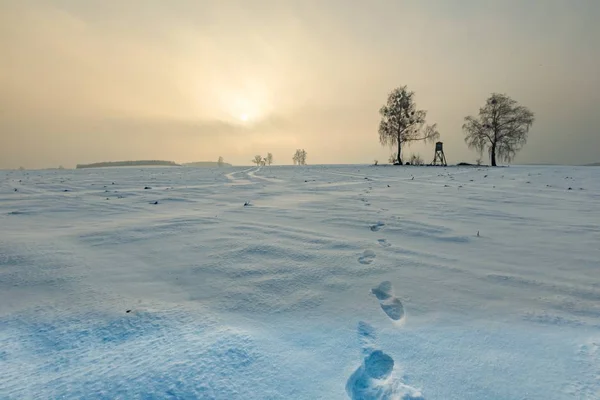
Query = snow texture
x=333 y=282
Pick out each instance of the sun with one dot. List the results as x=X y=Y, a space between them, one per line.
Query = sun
x=244 y=117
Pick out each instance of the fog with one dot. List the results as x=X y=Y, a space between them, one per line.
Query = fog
x=194 y=80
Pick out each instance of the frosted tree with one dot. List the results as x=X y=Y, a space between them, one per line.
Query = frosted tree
x=220 y=162
x=269 y=159
x=501 y=128
x=300 y=157
x=257 y=160
x=402 y=123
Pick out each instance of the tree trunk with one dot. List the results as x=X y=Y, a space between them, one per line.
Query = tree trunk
x=399 y=152
x=493 y=155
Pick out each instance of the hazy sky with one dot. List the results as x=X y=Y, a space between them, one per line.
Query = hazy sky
x=96 y=80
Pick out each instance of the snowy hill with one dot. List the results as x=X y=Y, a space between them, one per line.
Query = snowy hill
x=210 y=164
x=300 y=283
x=138 y=163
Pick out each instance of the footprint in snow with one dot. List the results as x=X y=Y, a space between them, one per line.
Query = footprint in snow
x=374 y=379
x=367 y=257
x=588 y=357
x=377 y=226
x=367 y=336
x=391 y=305
x=383 y=243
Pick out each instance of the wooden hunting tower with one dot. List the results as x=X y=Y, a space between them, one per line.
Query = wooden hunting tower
x=439 y=158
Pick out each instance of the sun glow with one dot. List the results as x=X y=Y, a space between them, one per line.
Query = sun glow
x=245 y=104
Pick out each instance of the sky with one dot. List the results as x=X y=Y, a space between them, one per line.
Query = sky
x=192 y=80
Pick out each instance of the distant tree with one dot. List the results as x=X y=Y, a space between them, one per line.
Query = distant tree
x=257 y=160
x=376 y=162
x=300 y=157
x=402 y=123
x=479 y=161
x=501 y=128
x=393 y=158
x=221 y=162
x=269 y=158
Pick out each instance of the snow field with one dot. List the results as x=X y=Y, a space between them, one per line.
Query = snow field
x=333 y=282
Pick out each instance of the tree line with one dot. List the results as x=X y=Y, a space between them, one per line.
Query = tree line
x=259 y=160
x=299 y=158
x=500 y=128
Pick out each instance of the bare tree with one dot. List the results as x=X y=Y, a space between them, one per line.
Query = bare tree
x=402 y=123
x=501 y=128
x=257 y=160
x=269 y=159
x=393 y=158
x=300 y=157
x=220 y=162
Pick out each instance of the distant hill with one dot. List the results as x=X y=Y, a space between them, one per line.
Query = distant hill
x=206 y=164
x=140 y=163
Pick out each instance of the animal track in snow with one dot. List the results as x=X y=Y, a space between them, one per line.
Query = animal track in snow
x=377 y=226
x=383 y=243
x=367 y=257
x=391 y=305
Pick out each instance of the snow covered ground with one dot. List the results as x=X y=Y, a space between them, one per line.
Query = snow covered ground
x=334 y=282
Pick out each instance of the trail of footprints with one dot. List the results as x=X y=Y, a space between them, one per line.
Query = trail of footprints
x=368 y=256
x=374 y=379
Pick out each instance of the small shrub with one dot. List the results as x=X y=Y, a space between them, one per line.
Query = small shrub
x=415 y=159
